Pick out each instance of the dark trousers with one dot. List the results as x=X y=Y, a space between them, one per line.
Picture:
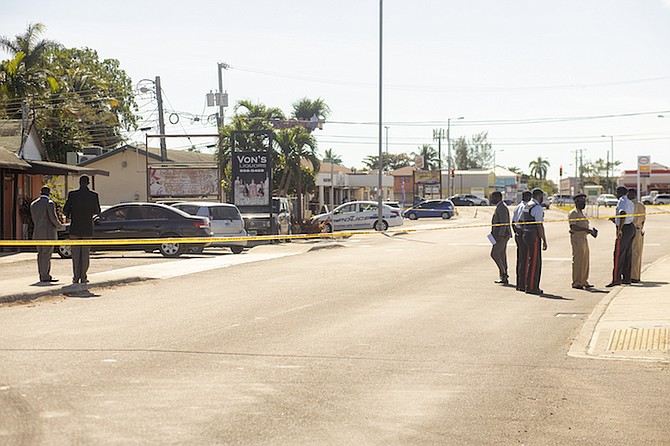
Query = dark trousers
x=521 y=253
x=44 y=262
x=623 y=254
x=533 y=260
x=80 y=260
x=499 y=255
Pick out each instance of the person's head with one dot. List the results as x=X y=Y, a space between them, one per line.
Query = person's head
x=538 y=195
x=45 y=191
x=84 y=181
x=496 y=197
x=580 y=201
x=526 y=195
x=621 y=191
x=632 y=194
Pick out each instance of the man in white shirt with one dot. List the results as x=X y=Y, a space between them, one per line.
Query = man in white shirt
x=520 y=245
x=623 y=251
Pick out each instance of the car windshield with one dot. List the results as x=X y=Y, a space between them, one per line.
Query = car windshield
x=224 y=213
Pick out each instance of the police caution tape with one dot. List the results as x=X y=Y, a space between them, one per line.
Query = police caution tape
x=333 y=235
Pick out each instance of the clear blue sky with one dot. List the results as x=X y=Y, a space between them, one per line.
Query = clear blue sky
x=485 y=60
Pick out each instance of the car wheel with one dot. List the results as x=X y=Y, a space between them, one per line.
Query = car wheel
x=171 y=249
x=236 y=249
x=446 y=215
x=64 y=251
x=412 y=216
x=328 y=228
x=384 y=226
x=197 y=250
x=471 y=203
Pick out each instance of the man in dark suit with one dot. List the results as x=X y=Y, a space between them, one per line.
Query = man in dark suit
x=45 y=219
x=501 y=232
x=81 y=205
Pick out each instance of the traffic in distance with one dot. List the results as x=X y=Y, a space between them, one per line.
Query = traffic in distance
x=179 y=219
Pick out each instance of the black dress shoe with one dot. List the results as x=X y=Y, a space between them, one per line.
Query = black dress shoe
x=610 y=285
x=502 y=281
x=627 y=282
x=635 y=280
x=536 y=292
x=578 y=287
x=588 y=285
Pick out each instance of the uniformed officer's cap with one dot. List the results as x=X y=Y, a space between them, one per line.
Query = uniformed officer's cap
x=579 y=196
x=526 y=193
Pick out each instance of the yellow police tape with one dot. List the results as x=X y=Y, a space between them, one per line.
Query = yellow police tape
x=342 y=234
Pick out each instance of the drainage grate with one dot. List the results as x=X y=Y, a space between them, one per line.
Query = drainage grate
x=639 y=339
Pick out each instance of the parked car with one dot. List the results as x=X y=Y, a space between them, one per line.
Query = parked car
x=649 y=199
x=478 y=201
x=144 y=221
x=459 y=200
x=259 y=223
x=561 y=200
x=607 y=200
x=359 y=215
x=393 y=204
x=662 y=199
x=431 y=208
x=224 y=219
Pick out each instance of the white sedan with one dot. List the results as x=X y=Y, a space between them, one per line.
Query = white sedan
x=224 y=218
x=359 y=215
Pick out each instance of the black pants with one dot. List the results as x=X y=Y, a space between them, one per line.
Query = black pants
x=533 y=260
x=521 y=253
x=623 y=254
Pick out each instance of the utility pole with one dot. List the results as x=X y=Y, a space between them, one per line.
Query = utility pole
x=222 y=98
x=439 y=134
x=581 y=170
x=161 y=120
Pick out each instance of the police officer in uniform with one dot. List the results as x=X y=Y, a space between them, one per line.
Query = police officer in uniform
x=533 y=234
x=623 y=247
x=521 y=251
x=638 y=240
x=579 y=229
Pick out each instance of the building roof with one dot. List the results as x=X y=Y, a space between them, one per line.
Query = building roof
x=10 y=134
x=10 y=160
x=502 y=172
x=407 y=171
x=49 y=168
x=337 y=168
x=174 y=156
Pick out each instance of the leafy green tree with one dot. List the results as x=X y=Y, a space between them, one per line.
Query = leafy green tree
x=390 y=161
x=539 y=168
x=429 y=156
x=295 y=145
x=476 y=153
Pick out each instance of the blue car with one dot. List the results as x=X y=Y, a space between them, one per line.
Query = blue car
x=431 y=208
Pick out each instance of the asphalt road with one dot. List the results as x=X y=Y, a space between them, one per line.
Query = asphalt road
x=382 y=340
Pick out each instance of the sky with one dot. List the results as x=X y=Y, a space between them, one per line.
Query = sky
x=542 y=78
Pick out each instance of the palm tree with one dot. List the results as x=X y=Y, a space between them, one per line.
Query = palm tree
x=26 y=71
x=308 y=110
x=332 y=157
x=295 y=145
x=429 y=156
x=538 y=168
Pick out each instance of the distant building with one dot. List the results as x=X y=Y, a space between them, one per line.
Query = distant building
x=659 y=179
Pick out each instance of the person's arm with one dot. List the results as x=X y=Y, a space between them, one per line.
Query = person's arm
x=540 y=230
x=67 y=209
x=53 y=217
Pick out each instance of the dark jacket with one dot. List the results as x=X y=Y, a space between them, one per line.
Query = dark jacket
x=501 y=217
x=81 y=205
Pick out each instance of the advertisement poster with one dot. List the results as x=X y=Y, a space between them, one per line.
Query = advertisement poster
x=251 y=184
x=183 y=182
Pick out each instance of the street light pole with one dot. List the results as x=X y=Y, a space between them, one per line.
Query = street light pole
x=221 y=102
x=438 y=134
x=379 y=176
x=161 y=120
x=611 y=150
x=449 y=182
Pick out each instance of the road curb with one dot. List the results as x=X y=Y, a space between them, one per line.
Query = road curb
x=29 y=296
x=586 y=339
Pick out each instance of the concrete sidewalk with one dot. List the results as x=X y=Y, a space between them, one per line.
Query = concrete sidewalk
x=25 y=288
x=632 y=322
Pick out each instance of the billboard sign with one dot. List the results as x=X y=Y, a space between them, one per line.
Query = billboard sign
x=186 y=182
x=252 y=173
